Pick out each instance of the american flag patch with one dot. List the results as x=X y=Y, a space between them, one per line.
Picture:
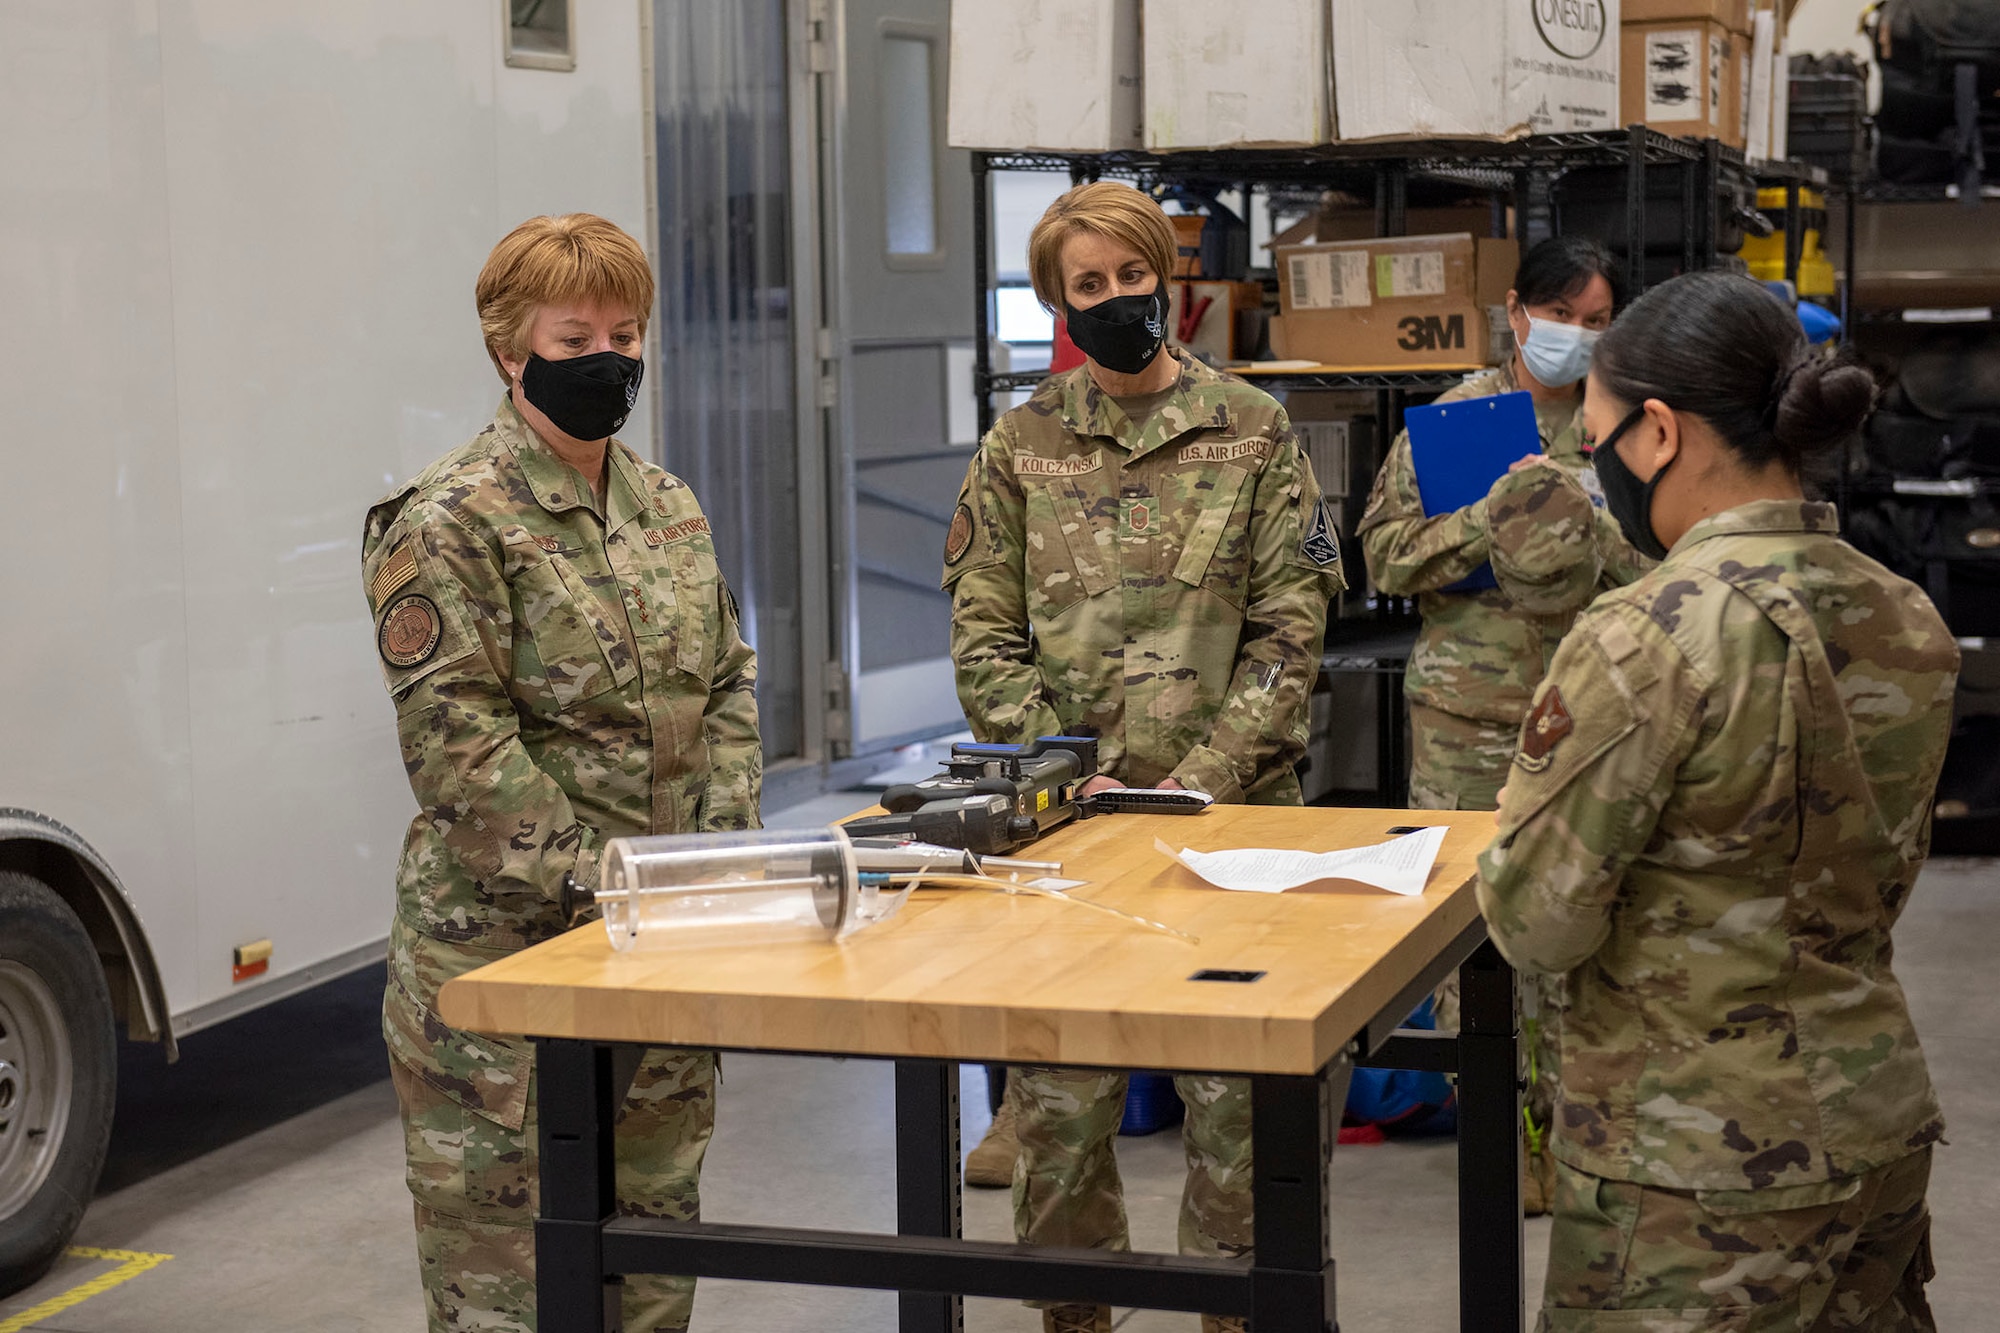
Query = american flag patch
x=396 y=571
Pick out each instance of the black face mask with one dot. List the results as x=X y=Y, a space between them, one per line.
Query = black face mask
x=1629 y=499
x=1122 y=334
x=586 y=397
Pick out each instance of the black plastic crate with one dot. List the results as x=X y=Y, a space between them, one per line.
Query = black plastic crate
x=1827 y=124
x=1841 y=160
x=1590 y=201
x=1829 y=92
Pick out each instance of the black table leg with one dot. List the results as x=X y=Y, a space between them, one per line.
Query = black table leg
x=1291 y=1280
x=1387 y=777
x=1399 y=721
x=579 y=1089
x=927 y=1197
x=1489 y=1145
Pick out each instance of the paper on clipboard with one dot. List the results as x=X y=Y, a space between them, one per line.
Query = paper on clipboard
x=1400 y=865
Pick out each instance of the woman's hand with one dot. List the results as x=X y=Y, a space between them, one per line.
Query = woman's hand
x=1102 y=782
x=1529 y=461
x=1168 y=784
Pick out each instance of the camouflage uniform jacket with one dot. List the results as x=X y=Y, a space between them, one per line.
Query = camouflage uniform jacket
x=1162 y=585
x=1721 y=801
x=1479 y=655
x=564 y=672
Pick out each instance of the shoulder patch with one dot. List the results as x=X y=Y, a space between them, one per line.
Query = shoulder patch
x=409 y=632
x=1321 y=544
x=959 y=539
x=1546 y=725
x=395 y=572
x=1586 y=477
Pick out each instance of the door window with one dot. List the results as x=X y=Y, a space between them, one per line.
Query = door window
x=909 y=147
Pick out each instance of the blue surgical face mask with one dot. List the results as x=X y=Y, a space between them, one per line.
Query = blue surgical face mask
x=1557 y=354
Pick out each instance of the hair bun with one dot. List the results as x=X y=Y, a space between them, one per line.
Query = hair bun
x=1821 y=402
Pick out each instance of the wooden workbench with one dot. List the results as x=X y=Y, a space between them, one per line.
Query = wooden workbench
x=979 y=976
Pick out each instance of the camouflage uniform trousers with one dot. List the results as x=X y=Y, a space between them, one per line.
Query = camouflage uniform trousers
x=475 y=1185
x=1460 y=763
x=1066 y=1186
x=1635 y=1259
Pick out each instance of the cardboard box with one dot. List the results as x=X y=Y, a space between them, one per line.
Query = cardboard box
x=1407 y=301
x=1419 y=68
x=1731 y=14
x=1356 y=222
x=1562 y=65
x=1679 y=77
x=1059 y=75
x=1187 y=243
x=1494 y=69
x=1255 y=74
x=1201 y=316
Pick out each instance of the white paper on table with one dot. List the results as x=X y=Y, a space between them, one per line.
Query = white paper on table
x=1400 y=865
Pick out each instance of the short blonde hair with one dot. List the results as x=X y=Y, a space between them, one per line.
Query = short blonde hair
x=1110 y=209
x=578 y=257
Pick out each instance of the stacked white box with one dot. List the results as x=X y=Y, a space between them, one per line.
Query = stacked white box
x=1562 y=65
x=1225 y=76
x=1058 y=75
x=1419 y=67
x=1474 y=68
x=1758 y=92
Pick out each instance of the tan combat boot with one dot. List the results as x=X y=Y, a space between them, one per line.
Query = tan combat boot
x=991 y=1164
x=1217 y=1324
x=1077 y=1319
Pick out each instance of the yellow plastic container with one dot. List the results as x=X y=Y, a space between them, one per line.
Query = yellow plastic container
x=1766 y=254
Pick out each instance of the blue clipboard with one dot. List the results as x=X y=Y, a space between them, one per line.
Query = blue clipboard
x=1460 y=449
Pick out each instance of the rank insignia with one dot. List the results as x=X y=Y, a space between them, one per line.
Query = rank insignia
x=1549 y=723
x=1322 y=543
x=959 y=539
x=409 y=632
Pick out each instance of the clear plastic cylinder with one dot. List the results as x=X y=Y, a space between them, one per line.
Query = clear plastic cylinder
x=756 y=886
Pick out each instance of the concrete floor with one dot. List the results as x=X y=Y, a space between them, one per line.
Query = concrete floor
x=268 y=1164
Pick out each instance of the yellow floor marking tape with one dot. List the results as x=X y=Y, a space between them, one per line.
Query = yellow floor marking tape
x=130 y=1263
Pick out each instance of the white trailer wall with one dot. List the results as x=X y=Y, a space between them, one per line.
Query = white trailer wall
x=238 y=241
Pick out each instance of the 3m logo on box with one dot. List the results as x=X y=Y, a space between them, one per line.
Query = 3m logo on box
x=1431 y=333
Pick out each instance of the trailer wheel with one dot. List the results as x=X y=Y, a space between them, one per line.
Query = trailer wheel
x=58 y=1076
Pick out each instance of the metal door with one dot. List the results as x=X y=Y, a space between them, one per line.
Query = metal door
x=896 y=355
